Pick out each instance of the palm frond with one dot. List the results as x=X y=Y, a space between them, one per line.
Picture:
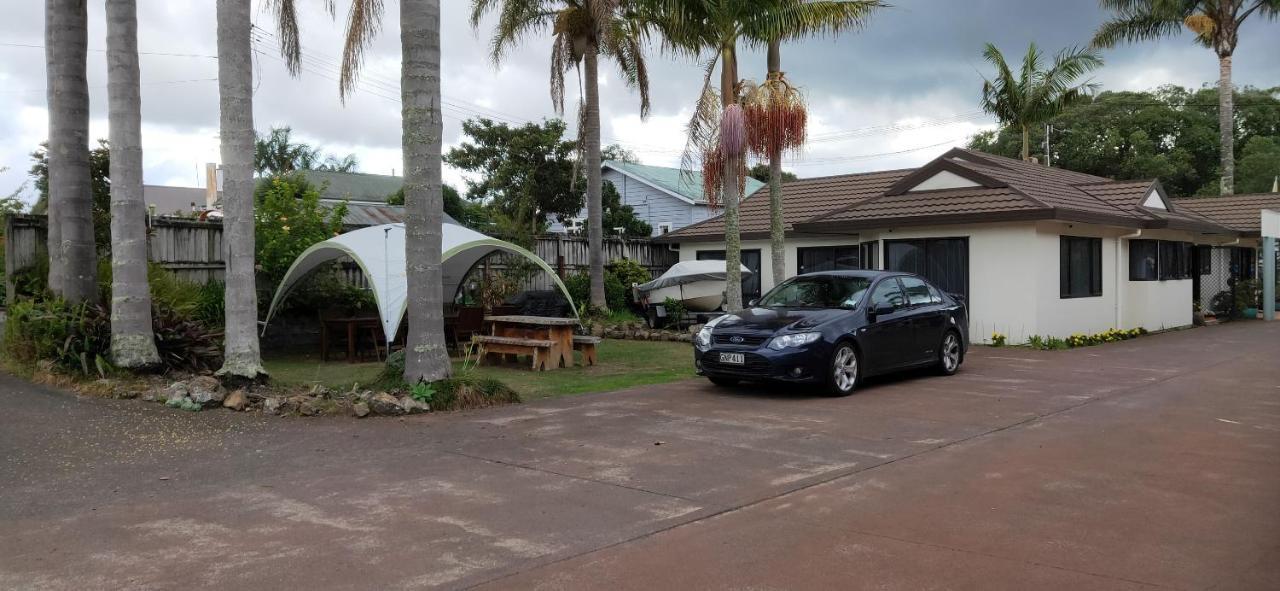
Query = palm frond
x=286 y=17
x=793 y=19
x=703 y=125
x=363 y=22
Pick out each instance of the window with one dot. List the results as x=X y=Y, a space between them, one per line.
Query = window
x=1080 y=267
x=664 y=228
x=1151 y=260
x=869 y=254
x=1204 y=256
x=1144 y=257
x=887 y=293
x=750 y=258
x=817 y=292
x=917 y=291
x=827 y=258
x=944 y=262
x=1175 y=260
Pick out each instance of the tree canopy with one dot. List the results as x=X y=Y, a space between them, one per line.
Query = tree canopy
x=99 y=182
x=277 y=153
x=526 y=173
x=1170 y=133
x=760 y=172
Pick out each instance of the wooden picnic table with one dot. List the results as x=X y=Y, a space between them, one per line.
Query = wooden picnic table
x=557 y=330
x=352 y=327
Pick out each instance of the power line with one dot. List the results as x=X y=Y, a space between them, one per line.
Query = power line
x=160 y=53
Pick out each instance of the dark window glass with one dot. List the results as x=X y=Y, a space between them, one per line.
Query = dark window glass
x=750 y=258
x=1169 y=266
x=917 y=291
x=1144 y=257
x=817 y=292
x=1205 y=256
x=827 y=258
x=887 y=292
x=944 y=262
x=1081 y=267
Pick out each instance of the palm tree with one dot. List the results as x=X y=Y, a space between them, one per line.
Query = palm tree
x=421 y=140
x=582 y=30
x=1035 y=95
x=718 y=128
x=1216 y=24
x=132 y=338
x=73 y=260
x=242 y=357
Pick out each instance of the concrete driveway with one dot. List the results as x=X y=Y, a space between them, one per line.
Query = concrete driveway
x=1148 y=463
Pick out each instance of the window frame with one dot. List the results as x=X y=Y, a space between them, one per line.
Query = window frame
x=1094 y=269
x=1146 y=243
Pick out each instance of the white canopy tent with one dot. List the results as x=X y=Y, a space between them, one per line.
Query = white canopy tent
x=379 y=251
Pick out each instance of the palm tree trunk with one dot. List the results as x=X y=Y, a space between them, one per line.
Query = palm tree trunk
x=132 y=338
x=425 y=356
x=69 y=185
x=1026 y=144
x=777 y=237
x=1226 y=125
x=52 y=224
x=595 y=210
x=242 y=360
x=732 y=237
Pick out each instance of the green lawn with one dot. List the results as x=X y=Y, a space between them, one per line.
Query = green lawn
x=622 y=364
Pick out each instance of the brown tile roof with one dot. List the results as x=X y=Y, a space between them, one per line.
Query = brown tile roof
x=1008 y=189
x=803 y=199
x=1242 y=213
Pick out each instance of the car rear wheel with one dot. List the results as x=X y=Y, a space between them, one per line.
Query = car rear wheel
x=724 y=382
x=949 y=354
x=845 y=371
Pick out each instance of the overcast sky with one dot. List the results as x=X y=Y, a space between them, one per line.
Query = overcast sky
x=892 y=96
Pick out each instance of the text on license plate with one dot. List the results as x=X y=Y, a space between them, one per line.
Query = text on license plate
x=735 y=358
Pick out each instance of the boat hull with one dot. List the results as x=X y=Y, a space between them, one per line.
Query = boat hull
x=698 y=296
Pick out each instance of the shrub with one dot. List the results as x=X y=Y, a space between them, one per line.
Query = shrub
x=289 y=218
x=997 y=339
x=1247 y=294
x=675 y=310
x=627 y=272
x=463 y=391
x=616 y=294
x=185 y=343
x=73 y=337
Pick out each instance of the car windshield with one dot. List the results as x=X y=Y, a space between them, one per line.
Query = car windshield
x=817 y=292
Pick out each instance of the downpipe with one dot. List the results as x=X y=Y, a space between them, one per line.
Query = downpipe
x=1119 y=292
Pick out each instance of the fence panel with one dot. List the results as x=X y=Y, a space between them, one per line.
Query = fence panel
x=193 y=251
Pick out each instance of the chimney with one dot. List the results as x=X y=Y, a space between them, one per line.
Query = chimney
x=212 y=184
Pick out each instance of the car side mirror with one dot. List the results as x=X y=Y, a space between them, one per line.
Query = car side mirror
x=752 y=303
x=881 y=310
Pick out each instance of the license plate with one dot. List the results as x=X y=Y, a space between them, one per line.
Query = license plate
x=734 y=358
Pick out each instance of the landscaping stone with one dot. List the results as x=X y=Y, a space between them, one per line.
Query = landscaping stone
x=597 y=330
x=306 y=406
x=236 y=400
x=177 y=391
x=385 y=404
x=695 y=328
x=360 y=410
x=206 y=390
x=154 y=395
x=272 y=405
x=412 y=406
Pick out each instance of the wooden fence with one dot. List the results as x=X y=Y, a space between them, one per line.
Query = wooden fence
x=194 y=251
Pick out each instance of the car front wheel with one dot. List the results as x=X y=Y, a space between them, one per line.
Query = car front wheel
x=949 y=355
x=845 y=371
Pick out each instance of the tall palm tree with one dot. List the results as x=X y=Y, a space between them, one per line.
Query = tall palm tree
x=132 y=338
x=1035 y=95
x=421 y=141
x=73 y=260
x=242 y=356
x=1216 y=24
x=582 y=30
x=711 y=29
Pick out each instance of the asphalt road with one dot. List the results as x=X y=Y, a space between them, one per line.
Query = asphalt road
x=1148 y=463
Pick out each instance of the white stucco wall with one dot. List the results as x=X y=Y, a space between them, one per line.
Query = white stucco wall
x=689 y=252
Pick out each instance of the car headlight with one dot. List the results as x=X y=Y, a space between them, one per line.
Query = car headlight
x=793 y=340
x=703 y=339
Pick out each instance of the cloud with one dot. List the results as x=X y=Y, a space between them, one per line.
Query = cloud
x=879 y=97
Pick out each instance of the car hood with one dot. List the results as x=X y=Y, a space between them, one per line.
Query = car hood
x=776 y=319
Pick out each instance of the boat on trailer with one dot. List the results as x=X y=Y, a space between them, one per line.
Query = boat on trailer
x=700 y=285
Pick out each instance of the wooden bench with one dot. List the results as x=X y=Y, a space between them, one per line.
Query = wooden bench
x=588 y=347
x=539 y=350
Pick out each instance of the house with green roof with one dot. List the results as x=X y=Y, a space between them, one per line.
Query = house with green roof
x=663 y=197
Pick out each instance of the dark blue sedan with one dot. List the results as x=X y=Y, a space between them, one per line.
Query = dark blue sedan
x=833 y=329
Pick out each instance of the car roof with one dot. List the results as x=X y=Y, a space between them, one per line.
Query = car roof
x=867 y=273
